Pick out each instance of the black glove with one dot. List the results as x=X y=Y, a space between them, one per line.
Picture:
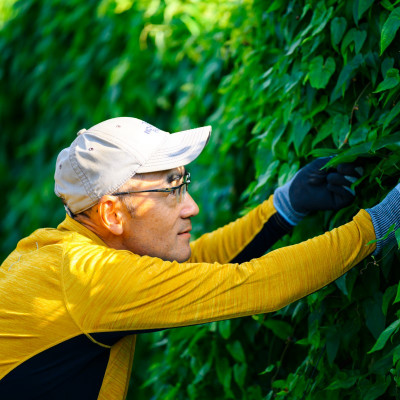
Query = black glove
x=315 y=189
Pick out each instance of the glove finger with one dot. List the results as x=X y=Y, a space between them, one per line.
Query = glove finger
x=343 y=195
x=340 y=180
x=350 y=190
x=350 y=170
x=317 y=175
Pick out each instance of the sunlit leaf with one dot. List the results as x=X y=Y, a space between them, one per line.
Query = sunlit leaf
x=267 y=370
x=391 y=80
x=338 y=27
x=390 y=28
x=224 y=328
x=385 y=236
x=385 y=335
x=320 y=71
x=397 y=235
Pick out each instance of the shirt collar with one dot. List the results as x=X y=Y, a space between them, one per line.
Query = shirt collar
x=70 y=224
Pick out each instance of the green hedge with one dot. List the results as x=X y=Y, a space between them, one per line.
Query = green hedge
x=281 y=82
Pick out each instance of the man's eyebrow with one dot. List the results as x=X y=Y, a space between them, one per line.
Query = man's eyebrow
x=175 y=176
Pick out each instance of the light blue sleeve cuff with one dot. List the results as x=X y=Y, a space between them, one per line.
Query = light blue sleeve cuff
x=383 y=216
x=282 y=204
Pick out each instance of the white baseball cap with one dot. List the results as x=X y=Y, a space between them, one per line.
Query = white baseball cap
x=104 y=157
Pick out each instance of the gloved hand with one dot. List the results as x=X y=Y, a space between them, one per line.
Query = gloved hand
x=383 y=216
x=315 y=189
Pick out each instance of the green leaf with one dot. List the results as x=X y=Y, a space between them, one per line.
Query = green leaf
x=322 y=152
x=394 y=112
x=397 y=235
x=317 y=108
x=385 y=141
x=277 y=137
x=341 y=284
x=388 y=296
x=386 y=235
x=239 y=373
x=374 y=390
x=236 y=351
x=397 y=299
x=224 y=371
x=324 y=132
x=280 y=328
x=346 y=74
x=320 y=18
x=321 y=72
x=267 y=370
x=268 y=174
x=202 y=372
x=332 y=344
x=343 y=383
x=387 y=64
x=286 y=172
x=396 y=354
x=361 y=7
x=391 y=80
x=356 y=36
x=385 y=335
x=306 y=8
x=350 y=155
x=340 y=129
x=374 y=318
x=224 y=328
x=276 y=5
x=299 y=132
x=338 y=27
x=359 y=135
x=390 y=28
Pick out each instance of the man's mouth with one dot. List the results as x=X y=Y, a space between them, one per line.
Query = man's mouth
x=185 y=232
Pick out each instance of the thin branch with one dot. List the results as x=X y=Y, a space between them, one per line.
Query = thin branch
x=356 y=103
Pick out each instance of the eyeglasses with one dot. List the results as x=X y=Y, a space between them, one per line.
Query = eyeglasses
x=177 y=191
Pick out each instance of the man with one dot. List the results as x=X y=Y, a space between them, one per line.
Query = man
x=121 y=263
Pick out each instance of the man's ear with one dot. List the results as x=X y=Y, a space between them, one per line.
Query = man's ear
x=111 y=214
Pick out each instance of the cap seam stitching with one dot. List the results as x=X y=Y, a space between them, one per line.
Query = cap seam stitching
x=81 y=175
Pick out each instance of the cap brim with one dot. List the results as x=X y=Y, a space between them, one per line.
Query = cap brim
x=178 y=149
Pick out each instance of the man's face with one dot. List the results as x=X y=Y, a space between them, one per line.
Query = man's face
x=159 y=225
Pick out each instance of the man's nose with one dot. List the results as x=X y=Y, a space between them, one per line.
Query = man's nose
x=189 y=207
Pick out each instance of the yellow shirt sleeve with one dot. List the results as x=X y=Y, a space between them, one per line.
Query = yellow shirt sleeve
x=226 y=243
x=109 y=290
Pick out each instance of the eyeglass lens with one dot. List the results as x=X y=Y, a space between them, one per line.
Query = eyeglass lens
x=181 y=191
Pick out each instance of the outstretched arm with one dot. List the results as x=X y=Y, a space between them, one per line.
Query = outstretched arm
x=313 y=188
x=110 y=290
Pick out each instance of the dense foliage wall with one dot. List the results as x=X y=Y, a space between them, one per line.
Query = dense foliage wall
x=281 y=82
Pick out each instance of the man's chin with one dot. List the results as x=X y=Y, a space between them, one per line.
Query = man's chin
x=181 y=258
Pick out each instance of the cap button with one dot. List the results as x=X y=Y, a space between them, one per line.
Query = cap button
x=81 y=131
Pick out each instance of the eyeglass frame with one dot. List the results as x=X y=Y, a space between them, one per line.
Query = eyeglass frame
x=186 y=181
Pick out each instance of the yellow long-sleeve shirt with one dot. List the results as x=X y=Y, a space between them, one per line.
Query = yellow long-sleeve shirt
x=63 y=290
